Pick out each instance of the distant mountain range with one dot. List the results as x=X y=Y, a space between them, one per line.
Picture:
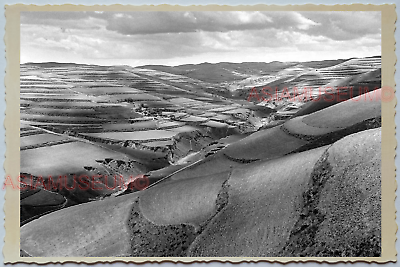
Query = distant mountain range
x=226 y=71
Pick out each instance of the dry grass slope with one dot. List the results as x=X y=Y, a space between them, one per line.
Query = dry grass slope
x=308 y=187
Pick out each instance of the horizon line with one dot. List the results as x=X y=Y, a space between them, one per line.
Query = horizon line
x=205 y=62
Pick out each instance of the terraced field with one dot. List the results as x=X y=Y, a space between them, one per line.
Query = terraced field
x=219 y=176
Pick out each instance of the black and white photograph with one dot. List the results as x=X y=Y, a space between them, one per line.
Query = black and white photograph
x=200 y=134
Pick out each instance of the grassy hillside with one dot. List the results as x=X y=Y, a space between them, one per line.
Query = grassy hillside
x=222 y=176
x=271 y=208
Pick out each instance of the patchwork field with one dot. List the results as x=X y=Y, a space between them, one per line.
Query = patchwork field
x=198 y=161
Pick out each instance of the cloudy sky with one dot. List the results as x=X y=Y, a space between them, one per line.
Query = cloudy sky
x=173 y=38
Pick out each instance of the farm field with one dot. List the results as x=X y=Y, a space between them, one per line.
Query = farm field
x=39 y=139
x=137 y=135
x=65 y=158
x=197 y=161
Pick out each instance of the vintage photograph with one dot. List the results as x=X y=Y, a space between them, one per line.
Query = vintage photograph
x=200 y=134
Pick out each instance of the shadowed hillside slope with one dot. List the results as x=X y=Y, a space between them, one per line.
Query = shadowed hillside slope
x=303 y=204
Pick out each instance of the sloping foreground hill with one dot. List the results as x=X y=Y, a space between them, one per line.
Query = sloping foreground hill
x=321 y=202
x=319 y=128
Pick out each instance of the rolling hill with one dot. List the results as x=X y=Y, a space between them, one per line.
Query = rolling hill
x=222 y=176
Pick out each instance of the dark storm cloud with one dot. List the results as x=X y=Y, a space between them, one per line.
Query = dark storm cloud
x=174 y=22
x=130 y=23
x=334 y=25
